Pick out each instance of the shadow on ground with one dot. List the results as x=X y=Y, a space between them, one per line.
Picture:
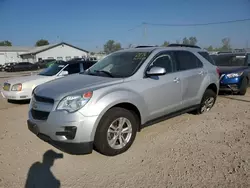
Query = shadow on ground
x=40 y=175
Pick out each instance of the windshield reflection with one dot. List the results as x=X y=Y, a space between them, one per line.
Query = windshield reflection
x=52 y=70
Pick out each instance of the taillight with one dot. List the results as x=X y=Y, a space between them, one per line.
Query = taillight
x=218 y=71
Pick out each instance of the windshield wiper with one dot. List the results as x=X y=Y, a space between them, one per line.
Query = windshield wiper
x=106 y=72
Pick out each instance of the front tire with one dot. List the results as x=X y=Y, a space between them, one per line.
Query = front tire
x=243 y=87
x=116 y=131
x=207 y=102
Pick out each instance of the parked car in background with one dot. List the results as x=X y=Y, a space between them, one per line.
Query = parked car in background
x=44 y=63
x=20 y=88
x=7 y=66
x=22 y=66
x=234 y=71
x=107 y=104
x=1 y=68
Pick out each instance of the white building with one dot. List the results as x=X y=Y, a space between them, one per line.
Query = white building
x=59 y=51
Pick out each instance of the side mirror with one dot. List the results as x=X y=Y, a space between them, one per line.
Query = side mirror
x=156 y=71
x=64 y=73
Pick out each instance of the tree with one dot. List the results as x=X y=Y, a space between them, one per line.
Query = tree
x=42 y=42
x=165 y=44
x=5 y=43
x=225 y=44
x=189 y=41
x=210 y=48
x=111 y=46
x=185 y=41
x=192 y=40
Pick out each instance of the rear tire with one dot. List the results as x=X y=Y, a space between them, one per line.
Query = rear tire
x=243 y=87
x=112 y=139
x=207 y=102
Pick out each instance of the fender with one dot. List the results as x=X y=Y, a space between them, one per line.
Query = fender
x=107 y=100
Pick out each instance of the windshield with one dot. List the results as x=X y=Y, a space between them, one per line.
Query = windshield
x=119 y=64
x=52 y=70
x=230 y=60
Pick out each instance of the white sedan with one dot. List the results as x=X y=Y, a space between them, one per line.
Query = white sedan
x=21 y=88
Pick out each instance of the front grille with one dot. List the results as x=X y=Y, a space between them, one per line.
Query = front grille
x=43 y=99
x=39 y=115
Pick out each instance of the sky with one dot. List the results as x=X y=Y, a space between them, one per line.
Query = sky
x=89 y=24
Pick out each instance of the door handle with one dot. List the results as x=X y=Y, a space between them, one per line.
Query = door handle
x=177 y=80
x=201 y=73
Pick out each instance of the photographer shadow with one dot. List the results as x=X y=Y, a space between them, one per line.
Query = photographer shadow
x=40 y=174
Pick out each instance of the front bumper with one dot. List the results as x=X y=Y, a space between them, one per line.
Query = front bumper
x=71 y=148
x=229 y=87
x=52 y=130
x=16 y=95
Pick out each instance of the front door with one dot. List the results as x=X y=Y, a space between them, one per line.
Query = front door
x=162 y=94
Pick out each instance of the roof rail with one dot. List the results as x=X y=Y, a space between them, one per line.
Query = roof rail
x=144 y=46
x=184 y=45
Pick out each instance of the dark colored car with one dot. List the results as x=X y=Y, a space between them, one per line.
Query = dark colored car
x=8 y=66
x=234 y=71
x=23 y=66
x=1 y=68
x=44 y=63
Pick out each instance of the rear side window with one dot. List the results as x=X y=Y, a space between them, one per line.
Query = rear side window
x=73 y=68
x=207 y=57
x=87 y=64
x=187 y=60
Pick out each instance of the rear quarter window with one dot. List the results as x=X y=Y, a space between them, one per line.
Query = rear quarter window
x=207 y=57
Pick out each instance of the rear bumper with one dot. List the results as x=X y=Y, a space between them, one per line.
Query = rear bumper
x=68 y=147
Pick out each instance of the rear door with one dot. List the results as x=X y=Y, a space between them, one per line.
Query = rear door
x=192 y=76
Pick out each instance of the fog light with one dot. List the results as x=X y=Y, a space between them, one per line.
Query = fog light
x=69 y=132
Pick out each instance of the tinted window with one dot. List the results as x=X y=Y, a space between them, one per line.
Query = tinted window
x=248 y=59
x=187 y=60
x=164 y=61
x=52 y=70
x=87 y=64
x=230 y=60
x=207 y=57
x=73 y=68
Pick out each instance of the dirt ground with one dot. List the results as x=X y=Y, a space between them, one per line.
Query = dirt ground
x=211 y=150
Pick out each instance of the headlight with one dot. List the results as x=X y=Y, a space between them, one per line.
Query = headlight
x=16 y=87
x=74 y=102
x=234 y=75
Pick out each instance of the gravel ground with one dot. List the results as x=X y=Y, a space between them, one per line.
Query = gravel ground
x=211 y=150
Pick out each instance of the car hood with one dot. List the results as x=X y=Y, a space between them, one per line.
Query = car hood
x=57 y=89
x=24 y=79
x=231 y=69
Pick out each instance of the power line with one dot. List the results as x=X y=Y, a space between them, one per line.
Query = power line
x=197 y=24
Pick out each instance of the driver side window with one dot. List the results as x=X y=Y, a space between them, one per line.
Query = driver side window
x=164 y=61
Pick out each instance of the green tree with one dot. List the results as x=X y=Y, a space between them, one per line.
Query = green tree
x=42 y=42
x=210 y=48
x=165 y=44
x=185 y=41
x=5 y=43
x=192 y=40
x=111 y=46
x=225 y=44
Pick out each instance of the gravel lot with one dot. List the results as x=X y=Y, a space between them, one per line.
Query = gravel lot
x=211 y=150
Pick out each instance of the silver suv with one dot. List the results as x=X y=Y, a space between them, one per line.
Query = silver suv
x=106 y=106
